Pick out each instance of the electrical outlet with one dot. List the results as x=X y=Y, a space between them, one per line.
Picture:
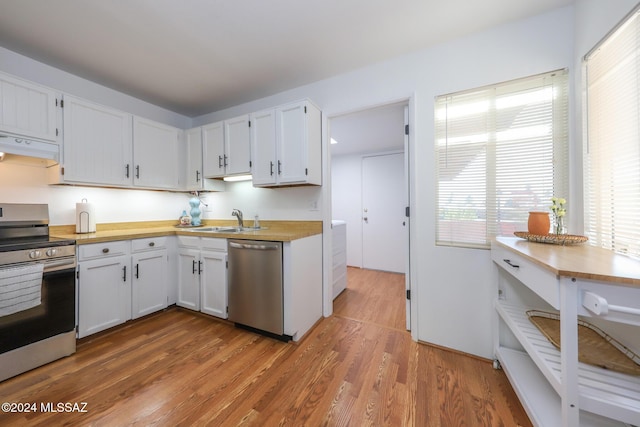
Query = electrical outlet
x=206 y=204
x=313 y=205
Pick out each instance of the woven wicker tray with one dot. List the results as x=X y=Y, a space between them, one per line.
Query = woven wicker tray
x=554 y=239
x=595 y=347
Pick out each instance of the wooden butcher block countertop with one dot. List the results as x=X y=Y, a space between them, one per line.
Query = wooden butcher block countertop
x=279 y=231
x=581 y=261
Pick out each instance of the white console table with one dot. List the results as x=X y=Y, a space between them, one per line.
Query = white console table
x=554 y=388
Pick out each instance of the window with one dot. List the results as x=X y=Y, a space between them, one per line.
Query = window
x=612 y=143
x=501 y=151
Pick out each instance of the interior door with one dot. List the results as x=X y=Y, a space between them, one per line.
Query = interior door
x=383 y=213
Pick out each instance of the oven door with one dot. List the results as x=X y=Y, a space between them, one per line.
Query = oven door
x=55 y=314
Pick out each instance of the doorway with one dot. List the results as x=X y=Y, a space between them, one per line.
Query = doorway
x=369 y=166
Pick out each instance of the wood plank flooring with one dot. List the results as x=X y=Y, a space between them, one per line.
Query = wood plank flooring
x=356 y=368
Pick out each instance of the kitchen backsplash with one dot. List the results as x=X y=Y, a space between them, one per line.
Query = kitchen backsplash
x=21 y=183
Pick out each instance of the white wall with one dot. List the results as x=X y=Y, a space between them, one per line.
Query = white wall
x=20 y=183
x=292 y=203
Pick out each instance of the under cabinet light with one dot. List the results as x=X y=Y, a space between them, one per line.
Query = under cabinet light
x=1 y=156
x=237 y=178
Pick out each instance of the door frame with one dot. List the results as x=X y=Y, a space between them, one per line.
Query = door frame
x=410 y=275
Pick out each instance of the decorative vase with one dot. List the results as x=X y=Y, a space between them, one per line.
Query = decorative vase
x=194 y=202
x=560 y=228
x=539 y=223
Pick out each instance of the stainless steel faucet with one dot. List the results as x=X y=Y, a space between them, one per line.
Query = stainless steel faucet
x=238 y=213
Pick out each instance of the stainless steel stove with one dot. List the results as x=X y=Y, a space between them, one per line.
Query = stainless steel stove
x=37 y=290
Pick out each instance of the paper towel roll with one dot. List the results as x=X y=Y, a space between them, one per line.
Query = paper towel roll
x=85 y=217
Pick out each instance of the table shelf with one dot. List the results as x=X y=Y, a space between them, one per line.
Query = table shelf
x=602 y=391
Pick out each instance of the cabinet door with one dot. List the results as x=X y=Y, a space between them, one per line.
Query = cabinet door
x=149 y=282
x=299 y=143
x=193 y=175
x=237 y=144
x=97 y=144
x=104 y=294
x=189 y=278
x=27 y=109
x=155 y=154
x=292 y=144
x=214 y=283
x=263 y=146
x=214 y=159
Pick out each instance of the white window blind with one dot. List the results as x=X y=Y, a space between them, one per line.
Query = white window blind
x=501 y=151
x=612 y=147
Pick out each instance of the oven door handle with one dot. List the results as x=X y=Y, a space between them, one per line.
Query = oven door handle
x=56 y=265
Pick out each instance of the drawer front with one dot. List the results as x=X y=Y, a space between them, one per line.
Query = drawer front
x=539 y=280
x=339 y=241
x=188 y=241
x=149 y=243
x=97 y=250
x=214 y=244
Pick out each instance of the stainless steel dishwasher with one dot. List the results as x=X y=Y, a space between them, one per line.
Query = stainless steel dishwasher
x=255 y=286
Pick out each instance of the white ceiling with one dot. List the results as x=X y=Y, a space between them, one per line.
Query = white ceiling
x=199 y=56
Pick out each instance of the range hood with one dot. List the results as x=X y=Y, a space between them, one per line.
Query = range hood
x=10 y=144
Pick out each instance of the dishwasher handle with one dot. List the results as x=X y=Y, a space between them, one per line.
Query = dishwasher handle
x=268 y=246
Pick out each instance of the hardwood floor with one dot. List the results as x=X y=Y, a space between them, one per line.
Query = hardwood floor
x=358 y=367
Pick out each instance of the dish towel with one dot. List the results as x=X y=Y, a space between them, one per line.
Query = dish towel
x=20 y=288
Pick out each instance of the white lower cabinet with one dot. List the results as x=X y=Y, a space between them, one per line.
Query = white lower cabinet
x=149 y=263
x=202 y=275
x=104 y=286
x=339 y=252
x=189 y=278
x=119 y=281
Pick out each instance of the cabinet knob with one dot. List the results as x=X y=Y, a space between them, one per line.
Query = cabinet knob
x=105 y=250
x=152 y=244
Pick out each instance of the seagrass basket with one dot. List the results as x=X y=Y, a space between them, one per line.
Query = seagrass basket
x=595 y=347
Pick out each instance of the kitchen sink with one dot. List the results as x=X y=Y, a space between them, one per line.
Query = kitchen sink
x=223 y=229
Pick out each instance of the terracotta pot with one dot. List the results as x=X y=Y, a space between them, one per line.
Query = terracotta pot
x=539 y=223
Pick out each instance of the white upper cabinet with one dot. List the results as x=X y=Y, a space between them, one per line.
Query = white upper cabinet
x=97 y=145
x=155 y=154
x=213 y=150
x=193 y=149
x=263 y=147
x=298 y=154
x=193 y=164
x=237 y=145
x=27 y=109
x=227 y=147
